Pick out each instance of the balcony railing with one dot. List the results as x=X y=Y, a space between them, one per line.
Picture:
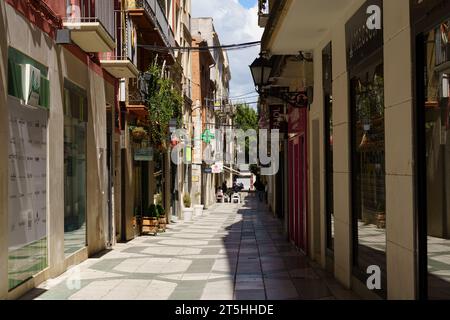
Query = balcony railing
x=122 y=62
x=263 y=12
x=187 y=88
x=122 y=50
x=156 y=12
x=81 y=11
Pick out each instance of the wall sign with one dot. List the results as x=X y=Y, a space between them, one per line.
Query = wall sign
x=143 y=154
x=362 y=41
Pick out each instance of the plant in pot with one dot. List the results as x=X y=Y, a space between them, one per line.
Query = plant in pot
x=198 y=208
x=381 y=216
x=150 y=221
x=187 y=210
x=138 y=134
x=162 y=219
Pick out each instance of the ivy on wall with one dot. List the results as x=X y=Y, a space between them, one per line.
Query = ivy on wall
x=164 y=103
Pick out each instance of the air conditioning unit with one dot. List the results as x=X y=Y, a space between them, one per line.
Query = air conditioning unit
x=31 y=84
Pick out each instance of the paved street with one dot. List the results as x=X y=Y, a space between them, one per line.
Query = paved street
x=232 y=252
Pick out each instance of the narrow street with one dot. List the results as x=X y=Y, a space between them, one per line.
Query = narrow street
x=232 y=252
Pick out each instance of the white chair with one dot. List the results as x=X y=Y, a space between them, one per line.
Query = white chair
x=236 y=197
x=220 y=197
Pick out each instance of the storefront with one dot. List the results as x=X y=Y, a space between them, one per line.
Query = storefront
x=366 y=75
x=27 y=183
x=431 y=32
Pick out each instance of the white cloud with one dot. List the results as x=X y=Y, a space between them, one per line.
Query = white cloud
x=234 y=24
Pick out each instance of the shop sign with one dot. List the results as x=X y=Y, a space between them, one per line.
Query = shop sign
x=277 y=117
x=195 y=178
x=207 y=170
x=364 y=32
x=143 y=154
x=31 y=84
x=217 y=167
x=188 y=155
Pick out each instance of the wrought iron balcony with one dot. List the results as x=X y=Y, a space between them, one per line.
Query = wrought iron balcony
x=263 y=12
x=121 y=62
x=156 y=14
x=92 y=29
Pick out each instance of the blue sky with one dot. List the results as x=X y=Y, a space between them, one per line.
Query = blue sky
x=235 y=21
x=247 y=3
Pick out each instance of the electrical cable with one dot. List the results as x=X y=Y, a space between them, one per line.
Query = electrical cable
x=228 y=47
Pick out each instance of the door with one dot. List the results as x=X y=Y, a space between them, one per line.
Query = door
x=297 y=192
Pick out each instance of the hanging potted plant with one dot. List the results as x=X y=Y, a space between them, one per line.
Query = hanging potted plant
x=138 y=134
x=198 y=208
x=187 y=210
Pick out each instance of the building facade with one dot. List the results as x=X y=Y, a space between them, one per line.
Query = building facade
x=217 y=110
x=376 y=138
x=54 y=102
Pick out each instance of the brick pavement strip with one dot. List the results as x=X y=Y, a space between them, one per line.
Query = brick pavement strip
x=234 y=251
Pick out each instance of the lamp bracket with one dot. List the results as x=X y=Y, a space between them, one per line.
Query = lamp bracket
x=297 y=99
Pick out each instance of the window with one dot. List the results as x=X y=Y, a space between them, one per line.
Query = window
x=75 y=119
x=27 y=168
x=437 y=158
x=368 y=172
x=16 y=61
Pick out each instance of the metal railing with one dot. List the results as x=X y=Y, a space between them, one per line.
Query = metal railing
x=81 y=12
x=187 y=88
x=263 y=7
x=124 y=46
x=156 y=12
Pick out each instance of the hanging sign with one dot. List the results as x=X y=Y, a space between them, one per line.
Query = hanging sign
x=143 y=154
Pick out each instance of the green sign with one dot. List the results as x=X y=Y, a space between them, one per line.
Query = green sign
x=143 y=154
x=188 y=157
x=207 y=136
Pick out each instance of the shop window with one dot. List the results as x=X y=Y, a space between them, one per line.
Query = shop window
x=16 y=63
x=437 y=155
x=368 y=172
x=75 y=123
x=27 y=169
x=27 y=188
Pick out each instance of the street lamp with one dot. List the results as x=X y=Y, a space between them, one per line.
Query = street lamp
x=261 y=69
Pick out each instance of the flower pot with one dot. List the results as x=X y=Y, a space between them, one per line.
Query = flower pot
x=198 y=210
x=381 y=220
x=149 y=225
x=162 y=223
x=187 y=214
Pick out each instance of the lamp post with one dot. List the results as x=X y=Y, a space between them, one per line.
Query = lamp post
x=261 y=70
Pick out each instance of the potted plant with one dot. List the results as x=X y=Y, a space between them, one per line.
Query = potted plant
x=162 y=219
x=187 y=210
x=137 y=222
x=198 y=208
x=138 y=134
x=381 y=216
x=150 y=221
